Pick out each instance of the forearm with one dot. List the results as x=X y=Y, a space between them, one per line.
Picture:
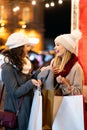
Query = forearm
x=70 y=90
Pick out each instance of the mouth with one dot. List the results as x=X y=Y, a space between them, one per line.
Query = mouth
x=56 y=51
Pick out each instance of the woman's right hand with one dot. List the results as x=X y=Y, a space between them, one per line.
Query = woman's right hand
x=36 y=82
x=55 y=70
x=43 y=68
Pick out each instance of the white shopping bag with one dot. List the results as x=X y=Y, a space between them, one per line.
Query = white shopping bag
x=1 y=62
x=70 y=115
x=35 y=121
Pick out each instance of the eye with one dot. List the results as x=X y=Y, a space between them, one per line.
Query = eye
x=57 y=44
x=27 y=45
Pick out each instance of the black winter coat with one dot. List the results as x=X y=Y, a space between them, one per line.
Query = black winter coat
x=17 y=85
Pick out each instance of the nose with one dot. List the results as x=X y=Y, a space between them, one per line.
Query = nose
x=54 y=47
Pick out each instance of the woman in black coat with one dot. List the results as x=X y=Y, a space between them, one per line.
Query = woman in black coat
x=16 y=75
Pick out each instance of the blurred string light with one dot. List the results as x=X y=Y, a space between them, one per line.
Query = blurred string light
x=48 y=3
x=24 y=26
x=34 y=2
x=52 y=3
x=15 y=9
x=60 y=1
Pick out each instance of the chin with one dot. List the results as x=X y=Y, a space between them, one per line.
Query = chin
x=58 y=54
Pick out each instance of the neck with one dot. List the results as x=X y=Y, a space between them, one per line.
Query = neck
x=69 y=65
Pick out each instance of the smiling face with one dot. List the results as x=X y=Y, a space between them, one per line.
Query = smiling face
x=59 y=49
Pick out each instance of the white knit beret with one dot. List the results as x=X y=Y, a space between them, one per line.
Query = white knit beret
x=69 y=40
x=16 y=40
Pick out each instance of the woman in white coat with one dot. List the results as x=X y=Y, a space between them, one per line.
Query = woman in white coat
x=68 y=73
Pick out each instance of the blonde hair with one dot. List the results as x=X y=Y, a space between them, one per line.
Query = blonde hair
x=60 y=62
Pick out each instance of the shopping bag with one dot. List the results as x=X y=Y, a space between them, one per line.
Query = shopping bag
x=47 y=110
x=70 y=113
x=35 y=121
x=8 y=119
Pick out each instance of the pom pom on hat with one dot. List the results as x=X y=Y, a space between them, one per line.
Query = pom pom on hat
x=16 y=40
x=76 y=34
x=69 y=40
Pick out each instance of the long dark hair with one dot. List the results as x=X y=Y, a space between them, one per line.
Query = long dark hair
x=16 y=56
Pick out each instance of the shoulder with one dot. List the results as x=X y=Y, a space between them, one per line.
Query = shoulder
x=77 y=68
x=7 y=71
x=6 y=67
x=52 y=61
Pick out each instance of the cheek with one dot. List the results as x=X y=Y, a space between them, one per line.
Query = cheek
x=28 y=48
x=63 y=50
x=60 y=51
x=25 y=51
x=60 y=48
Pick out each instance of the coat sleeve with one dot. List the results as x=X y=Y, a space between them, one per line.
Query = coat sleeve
x=11 y=83
x=76 y=78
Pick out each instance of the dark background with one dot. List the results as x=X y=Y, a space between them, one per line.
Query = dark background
x=57 y=20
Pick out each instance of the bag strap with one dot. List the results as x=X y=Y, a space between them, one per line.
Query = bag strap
x=19 y=105
x=20 y=102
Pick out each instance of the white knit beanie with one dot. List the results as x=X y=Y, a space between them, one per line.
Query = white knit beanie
x=16 y=40
x=69 y=40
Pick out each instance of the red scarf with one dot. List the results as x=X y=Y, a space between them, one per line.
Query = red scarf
x=68 y=66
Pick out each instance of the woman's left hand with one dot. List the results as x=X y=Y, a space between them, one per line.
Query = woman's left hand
x=62 y=80
x=39 y=82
